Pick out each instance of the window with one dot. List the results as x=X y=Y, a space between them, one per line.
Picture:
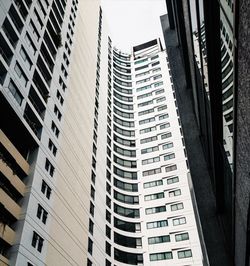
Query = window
x=34 y=30
x=172 y=180
x=108 y=201
x=160 y=99
x=150 y=149
x=125 y=186
x=89 y=262
x=143 y=88
x=126 y=198
x=91 y=227
x=179 y=221
x=151 y=172
x=153 y=184
x=166 y=135
x=108 y=188
x=181 y=237
x=156 y=209
x=55 y=129
x=52 y=147
x=154 y=196
x=148 y=120
x=171 y=168
x=148 y=129
x=124 y=152
x=126 y=212
x=108 y=232
x=108 y=216
x=144 y=96
x=59 y=97
x=57 y=113
x=37 y=241
x=127 y=226
x=158 y=84
x=142 y=81
x=158 y=239
x=46 y=190
x=149 y=139
x=22 y=77
x=92 y=209
x=161 y=256
x=93 y=176
x=154 y=57
x=107 y=263
x=157 y=224
x=108 y=248
x=177 y=206
x=128 y=133
x=127 y=241
x=169 y=156
x=146 y=112
x=25 y=58
x=161 y=117
x=125 y=163
x=159 y=91
x=174 y=193
x=141 y=61
x=142 y=67
x=145 y=103
x=15 y=92
x=41 y=214
x=165 y=126
x=142 y=74
x=184 y=254
x=90 y=246
x=92 y=192
x=125 y=174
x=151 y=160
x=129 y=143
x=49 y=167
x=30 y=44
x=163 y=107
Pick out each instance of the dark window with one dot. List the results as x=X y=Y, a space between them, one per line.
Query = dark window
x=46 y=190
x=91 y=227
x=37 y=241
x=92 y=209
x=41 y=214
x=108 y=248
x=108 y=232
x=90 y=246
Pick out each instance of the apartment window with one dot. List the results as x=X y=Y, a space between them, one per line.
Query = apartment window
x=125 y=163
x=145 y=103
x=163 y=107
x=149 y=139
x=91 y=227
x=169 y=156
x=146 y=130
x=54 y=129
x=154 y=57
x=142 y=74
x=153 y=184
x=174 y=193
x=150 y=149
x=124 y=152
x=161 y=256
x=41 y=214
x=90 y=246
x=108 y=175
x=107 y=263
x=108 y=232
x=159 y=195
x=151 y=172
x=161 y=117
x=29 y=264
x=142 y=81
x=108 y=201
x=126 y=212
x=37 y=241
x=177 y=206
x=126 y=198
x=52 y=147
x=108 y=248
x=93 y=176
x=22 y=78
x=125 y=174
x=15 y=92
x=92 y=192
x=108 y=216
x=151 y=160
x=148 y=120
x=166 y=135
x=171 y=168
x=34 y=30
x=143 y=88
x=181 y=237
x=125 y=186
x=157 y=224
x=139 y=68
x=25 y=58
x=30 y=44
x=156 y=209
x=158 y=239
x=108 y=188
x=144 y=96
x=172 y=180
x=141 y=61
x=158 y=84
x=156 y=70
x=146 y=112
x=46 y=190
x=184 y=254
x=92 y=209
x=179 y=221
x=49 y=167
x=38 y=19
x=159 y=91
x=57 y=113
x=59 y=97
x=165 y=126
x=89 y=262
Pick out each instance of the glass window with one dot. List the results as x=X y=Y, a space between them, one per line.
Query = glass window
x=184 y=254
x=159 y=195
x=161 y=256
x=181 y=237
x=153 y=183
x=179 y=221
x=157 y=224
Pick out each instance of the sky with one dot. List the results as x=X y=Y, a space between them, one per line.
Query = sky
x=133 y=22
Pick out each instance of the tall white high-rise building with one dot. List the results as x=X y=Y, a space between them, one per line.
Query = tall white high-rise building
x=93 y=164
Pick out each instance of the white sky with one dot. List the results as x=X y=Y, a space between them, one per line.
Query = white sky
x=133 y=22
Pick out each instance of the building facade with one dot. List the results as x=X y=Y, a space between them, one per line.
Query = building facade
x=93 y=163
x=206 y=43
